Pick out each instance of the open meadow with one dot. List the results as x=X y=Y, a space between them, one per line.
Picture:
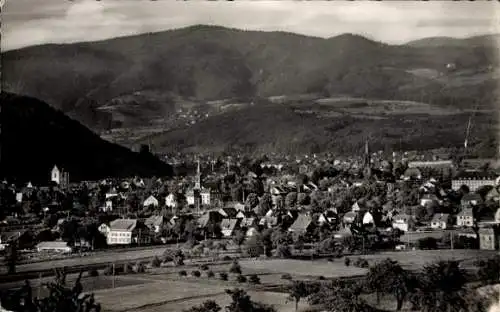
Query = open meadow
x=163 y=289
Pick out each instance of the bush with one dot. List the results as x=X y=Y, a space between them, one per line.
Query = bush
x=196 y=273
x=347 y=261
x=241 y=278
x=223 y=276
x=155 y=262
x=93 y=273
x=361 y=263
x=174 y=255
x=182 y=273
x=204 y=267
x=210 y=274
x=283 y=251
x=321 y=278
x=235 y=268
x=330 y=260
x=254 y=279
x=227 y=258
x=139 y=267
x=286 y=276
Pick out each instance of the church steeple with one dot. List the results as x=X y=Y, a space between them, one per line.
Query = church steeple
x=197 y=183
x=367 y=161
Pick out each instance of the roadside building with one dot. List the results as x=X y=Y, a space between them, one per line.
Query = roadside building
x=403 y=222
x=229 y=226
x=488 y=239
x=441 y=221
x=465 y=218
x=127 y=232
x=55 y=246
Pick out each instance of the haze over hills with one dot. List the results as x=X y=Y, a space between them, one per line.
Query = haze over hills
x=161 y=80
x=35 y=137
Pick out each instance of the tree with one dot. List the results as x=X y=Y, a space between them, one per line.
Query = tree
x=291 y=199
x=239 y=237
x=176 y=256
x=339 y=296
x=254 y=246
x=252 y=201
x=489 y=270
x=207 y=306
x=442 y=287
x=297 y=291
x=11 y=257
x=265 y=204
x=241 y=302
x=60 y=298
x=303 y=199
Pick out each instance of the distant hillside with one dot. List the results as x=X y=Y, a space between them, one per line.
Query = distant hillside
x=35 y=137
x=202 y=63
x=287 y=129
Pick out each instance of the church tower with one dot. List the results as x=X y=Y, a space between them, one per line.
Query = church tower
x=367 y=159
x=367 y=163
x=197 y=183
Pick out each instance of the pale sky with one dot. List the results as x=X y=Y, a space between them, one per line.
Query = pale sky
x=29 y=22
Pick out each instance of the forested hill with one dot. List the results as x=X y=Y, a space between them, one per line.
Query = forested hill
x=212 y=63
x=35 y=136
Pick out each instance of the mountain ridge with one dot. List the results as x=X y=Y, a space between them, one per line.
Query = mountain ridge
x=147 y=80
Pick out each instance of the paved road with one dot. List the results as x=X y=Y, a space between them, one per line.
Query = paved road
x=98 y=258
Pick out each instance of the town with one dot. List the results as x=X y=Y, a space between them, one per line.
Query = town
x=309 y=207
x=397 y=202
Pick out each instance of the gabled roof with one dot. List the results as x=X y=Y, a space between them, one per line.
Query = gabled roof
x=441 y=217
x=472 y=197
x=228 y=212
x=154 y=221
x=123 y=225
x=466 y=212
x=229 y=224
x=403 y=217
x=301 y=223
x=209 y=216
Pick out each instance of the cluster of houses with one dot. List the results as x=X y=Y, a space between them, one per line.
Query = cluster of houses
x=209 y=206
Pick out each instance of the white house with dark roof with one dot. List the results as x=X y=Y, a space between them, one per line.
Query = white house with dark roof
x=126 y=232
x=441 y=221
x=465 y=218
x=403 y=222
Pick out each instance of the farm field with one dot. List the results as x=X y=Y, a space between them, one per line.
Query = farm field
x=164 y=290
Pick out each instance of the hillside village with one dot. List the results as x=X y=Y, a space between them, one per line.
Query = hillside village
x=376 y=201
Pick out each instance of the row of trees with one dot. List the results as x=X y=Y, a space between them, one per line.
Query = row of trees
x=441 y=286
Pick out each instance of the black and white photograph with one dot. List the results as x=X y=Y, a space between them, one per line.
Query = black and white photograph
x=249 y=156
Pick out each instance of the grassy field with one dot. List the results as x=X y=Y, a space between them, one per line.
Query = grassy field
x=164 y=290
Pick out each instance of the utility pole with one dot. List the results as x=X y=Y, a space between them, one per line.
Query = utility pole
x=39 y=285
x=113 y=275
x=451 y=239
